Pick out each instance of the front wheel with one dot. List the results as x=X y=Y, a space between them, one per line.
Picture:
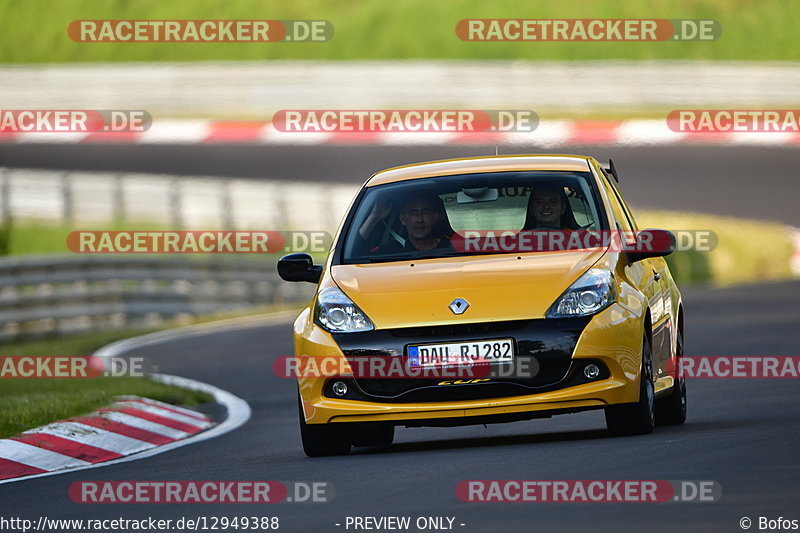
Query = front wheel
x=636 y=418
x=671 y=410
x=371 y=434
x=320 y=440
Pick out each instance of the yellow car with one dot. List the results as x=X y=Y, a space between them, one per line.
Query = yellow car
x=483 y=290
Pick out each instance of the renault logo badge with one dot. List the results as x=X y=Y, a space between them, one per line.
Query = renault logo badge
x=458 y=306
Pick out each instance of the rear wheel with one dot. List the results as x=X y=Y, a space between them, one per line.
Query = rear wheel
x=671 y=410
x=320 y=440
x=636 y=418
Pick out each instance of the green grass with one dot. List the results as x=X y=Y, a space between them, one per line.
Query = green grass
x=35 y=237
x=748 y=251
x=36 y=30
x=29 y=403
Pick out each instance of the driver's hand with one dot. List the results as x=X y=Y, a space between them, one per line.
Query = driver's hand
x=382 y=209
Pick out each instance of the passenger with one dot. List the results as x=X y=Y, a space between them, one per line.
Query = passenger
x=548 y=208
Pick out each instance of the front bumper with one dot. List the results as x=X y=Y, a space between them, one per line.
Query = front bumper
x=612 y=338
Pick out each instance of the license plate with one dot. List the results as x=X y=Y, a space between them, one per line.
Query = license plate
x=494 y=351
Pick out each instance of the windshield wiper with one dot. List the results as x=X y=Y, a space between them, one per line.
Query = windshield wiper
x=407 y=257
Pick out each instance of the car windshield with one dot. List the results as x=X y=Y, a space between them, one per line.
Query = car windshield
x=427 y=218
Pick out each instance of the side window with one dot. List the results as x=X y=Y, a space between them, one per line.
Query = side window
x=581 y=210
x=624 y=221
x=622 y=203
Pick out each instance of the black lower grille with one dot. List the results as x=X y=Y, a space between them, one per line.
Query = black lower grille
x=433 y=391
x=544 y=344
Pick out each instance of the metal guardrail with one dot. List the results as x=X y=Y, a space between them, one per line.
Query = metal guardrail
x=52 y=295
x=98 y=199
x=257 y=89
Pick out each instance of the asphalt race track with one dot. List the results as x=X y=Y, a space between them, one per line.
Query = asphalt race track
x=741 y=433
x=740 y=181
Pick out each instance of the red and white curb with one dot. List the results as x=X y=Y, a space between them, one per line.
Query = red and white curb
x=549 y=133
x=129 y=426
x=99 y=439
x=131 y=429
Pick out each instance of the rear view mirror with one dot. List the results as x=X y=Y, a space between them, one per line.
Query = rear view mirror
x=476 y=194
x=651 y=243
x=299 y=267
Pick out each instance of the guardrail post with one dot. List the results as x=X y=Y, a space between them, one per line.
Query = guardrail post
x=175 y=203
x=5 y=195
x=119 y=199
x=66 y=198
x=228 y=217
x=280 y=207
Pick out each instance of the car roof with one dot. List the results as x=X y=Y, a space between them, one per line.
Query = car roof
x=471 y=165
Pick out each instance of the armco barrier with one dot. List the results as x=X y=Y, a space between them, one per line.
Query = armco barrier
x=62 y=294
x=174 y=202
x=257 y=89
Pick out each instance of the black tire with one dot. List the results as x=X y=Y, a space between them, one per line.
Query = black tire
x=671 y=410
x=320 y=440
x=636 y=418
x=372 y=434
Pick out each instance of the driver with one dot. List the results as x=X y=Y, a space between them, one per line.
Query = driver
x=419 y=214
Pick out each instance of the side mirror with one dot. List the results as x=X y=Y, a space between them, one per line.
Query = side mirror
x=651 y=243
x=299 y=267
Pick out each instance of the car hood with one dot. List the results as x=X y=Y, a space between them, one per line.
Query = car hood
x=497 y=288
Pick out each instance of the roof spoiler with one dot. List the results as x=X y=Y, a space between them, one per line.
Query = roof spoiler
x=611 y=170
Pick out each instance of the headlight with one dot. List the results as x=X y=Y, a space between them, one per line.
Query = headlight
x=589 y=294
x=337 y=313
